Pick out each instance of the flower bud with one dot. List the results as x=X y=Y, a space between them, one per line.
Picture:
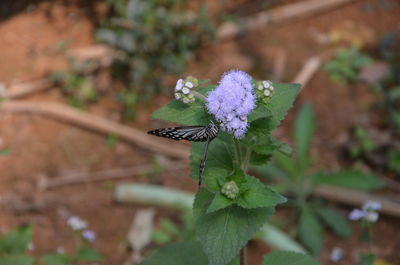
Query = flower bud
x=230 y=190
x=265 y=90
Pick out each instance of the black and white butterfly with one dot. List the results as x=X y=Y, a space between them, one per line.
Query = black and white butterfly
x=191 y=133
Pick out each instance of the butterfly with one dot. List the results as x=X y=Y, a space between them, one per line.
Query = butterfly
x=191 y=133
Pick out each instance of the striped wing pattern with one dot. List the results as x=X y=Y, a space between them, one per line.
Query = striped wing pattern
x=190 y=133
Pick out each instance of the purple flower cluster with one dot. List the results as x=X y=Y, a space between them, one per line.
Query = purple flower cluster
x=368 y=212
x=232 y=101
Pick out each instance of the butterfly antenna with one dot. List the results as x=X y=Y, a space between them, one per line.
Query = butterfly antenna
x=203 y=163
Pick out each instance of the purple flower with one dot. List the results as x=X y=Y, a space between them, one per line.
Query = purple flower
x=89 y=235
x=336 y=254
x=232 y=101
x=357 y=214
x=372 y=206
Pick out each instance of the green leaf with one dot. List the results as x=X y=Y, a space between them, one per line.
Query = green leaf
x=349 y=179
x=88 y=254
x=180 y=113
x=278 y=105
x=286 y=164
x=219 y=202
x=223 y=233
x=288 y=258
x=304 y=128
x=257 y=195
x=215 y=178
x=16 y=241
x=282 y=101
x=335 y=221
x=218 y=157
x=182 y=253
x=56 y=259
x=18 y=259
x=161 y=237
x=310 y=230
x=202 y=202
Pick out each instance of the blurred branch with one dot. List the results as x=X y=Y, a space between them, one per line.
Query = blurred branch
x=109 y=174
x=357 y=198
x=279 y=14
x=309 y=69
x=27 y=88
x=99 y=124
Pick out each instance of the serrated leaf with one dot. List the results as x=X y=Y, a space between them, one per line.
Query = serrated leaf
x=218 y=157
x=88 y=254
x=335 y=221
x=18 y=259
x=16 y=241
x=310 y=230
x=288 y=258
x=349 y=179
x=202 y=202
x=182 y=253
x=223 y=233
x=185 y=114
x=215 y=178
x=304 y=128
x=56 y=259
x=219 y=202
x=257 y=194
x=282 y=101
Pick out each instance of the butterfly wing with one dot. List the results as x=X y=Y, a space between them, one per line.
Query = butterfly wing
x=190 y=133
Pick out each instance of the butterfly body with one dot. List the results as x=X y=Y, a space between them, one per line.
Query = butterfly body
x=193 y=134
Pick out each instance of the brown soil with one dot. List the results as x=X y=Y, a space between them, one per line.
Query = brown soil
x=42 y=147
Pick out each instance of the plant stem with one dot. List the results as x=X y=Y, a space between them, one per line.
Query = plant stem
x=241 y=164
x=238 y=154
x=198 y=95
x=246 y=160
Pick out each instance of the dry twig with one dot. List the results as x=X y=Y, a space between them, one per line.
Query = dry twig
x=101 y=125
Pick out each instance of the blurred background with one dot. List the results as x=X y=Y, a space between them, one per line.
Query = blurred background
x=79 y=80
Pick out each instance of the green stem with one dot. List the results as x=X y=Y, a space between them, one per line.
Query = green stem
x=238 y=154
x=198 y=95
x=246 y=160
x=240 y=164
x=369 y=229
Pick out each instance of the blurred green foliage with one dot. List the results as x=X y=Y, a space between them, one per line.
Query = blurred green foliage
x=76 y=83
x=155 y=39
x=294 y=177
x=345 y=66
x=14 y=248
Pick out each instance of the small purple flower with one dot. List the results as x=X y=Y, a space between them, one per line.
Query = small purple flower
x=232 y=101
x=89 y=235
x=357 y=214
x=336 y=254
x=372 y=206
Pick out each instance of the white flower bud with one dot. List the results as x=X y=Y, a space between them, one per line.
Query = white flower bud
x=372 y=217
x=177 y=96
x=266 y=84
x=189 y=84
x=267 y=93
x=179 y=85
x=260 y=87
x=185 y=90
x=186 y=100
x=230 y=190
